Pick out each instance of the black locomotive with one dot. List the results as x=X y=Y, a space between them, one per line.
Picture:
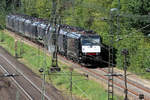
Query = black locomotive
x=73 y=42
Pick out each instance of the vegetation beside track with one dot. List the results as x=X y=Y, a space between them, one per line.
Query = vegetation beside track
x=34 y=59
x=133 y=29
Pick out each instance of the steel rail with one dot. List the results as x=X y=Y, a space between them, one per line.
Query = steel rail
x=26 y=93
x=144 y=89
x=105 y=78
x=131 y=91
x=21 y=73
x=102 y=76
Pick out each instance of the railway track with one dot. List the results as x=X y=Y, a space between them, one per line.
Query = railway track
x=18 y=85
x=130 y=82
x=134 y=88
x=31 y=90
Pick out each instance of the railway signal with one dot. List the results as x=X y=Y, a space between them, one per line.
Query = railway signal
x=41 y=70
x=141 y=96
x=125 y=53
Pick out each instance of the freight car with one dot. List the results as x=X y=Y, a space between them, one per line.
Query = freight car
x=73 y=42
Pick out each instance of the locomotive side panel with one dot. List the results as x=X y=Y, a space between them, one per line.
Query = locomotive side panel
x=16 y=24
x=62 y=42
x=27 y=31
x=19 y=25
x=72 y=47
x=7 y=19
x=12 y=23
x=34 y=29
x=43 y=30
x=22 y=25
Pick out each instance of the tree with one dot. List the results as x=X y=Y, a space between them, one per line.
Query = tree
x=12 y=4
x=140 y=7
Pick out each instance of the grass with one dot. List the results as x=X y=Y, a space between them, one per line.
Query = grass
x=35 y=59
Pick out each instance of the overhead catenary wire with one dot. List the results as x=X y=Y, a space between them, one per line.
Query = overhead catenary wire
x=67 y=76
x=130 y=35
x=142 y=28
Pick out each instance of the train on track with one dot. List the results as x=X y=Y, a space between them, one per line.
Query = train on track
x=73 y=42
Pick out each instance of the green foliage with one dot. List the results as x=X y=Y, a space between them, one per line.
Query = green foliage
x=138 y=48
x=34 y=61
x=84 y=88
x=31 y=56
x=141 y=7
x=138 y=13
x=2 y=14
x=88 y=14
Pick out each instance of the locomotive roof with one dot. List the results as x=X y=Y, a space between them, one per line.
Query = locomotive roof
x=75 y=34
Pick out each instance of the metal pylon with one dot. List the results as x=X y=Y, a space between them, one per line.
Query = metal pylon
x=55 y=22
x=110 y=76
x=110 y=68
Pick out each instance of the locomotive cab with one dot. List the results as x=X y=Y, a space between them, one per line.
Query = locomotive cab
x=90 y=47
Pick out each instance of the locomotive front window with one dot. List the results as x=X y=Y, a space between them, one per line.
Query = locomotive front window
x=90 y=40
